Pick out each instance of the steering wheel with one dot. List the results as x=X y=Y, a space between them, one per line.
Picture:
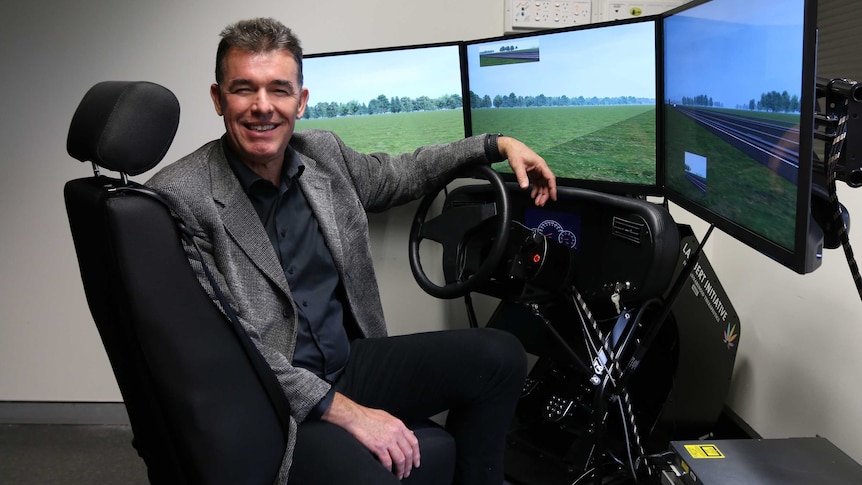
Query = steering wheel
x=451 y=229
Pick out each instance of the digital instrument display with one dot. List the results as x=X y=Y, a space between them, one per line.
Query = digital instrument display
x=559 y=226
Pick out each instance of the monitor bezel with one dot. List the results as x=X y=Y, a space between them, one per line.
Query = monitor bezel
x=804 y=257
x=611 y=187
x=459 y=45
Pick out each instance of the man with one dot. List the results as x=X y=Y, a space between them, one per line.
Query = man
x=281 y=218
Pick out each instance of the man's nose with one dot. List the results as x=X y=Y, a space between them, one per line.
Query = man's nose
x=262 y=102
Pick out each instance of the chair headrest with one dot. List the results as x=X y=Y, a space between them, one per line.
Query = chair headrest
x=124 y=126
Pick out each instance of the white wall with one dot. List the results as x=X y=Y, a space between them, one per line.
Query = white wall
x=798 y=352
x=798 y=362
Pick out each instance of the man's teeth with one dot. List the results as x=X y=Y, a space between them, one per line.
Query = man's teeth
x=262 y=127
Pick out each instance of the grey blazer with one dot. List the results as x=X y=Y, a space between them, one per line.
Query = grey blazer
x=341 y=186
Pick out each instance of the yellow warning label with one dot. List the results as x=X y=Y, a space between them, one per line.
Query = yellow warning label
x=704 y=451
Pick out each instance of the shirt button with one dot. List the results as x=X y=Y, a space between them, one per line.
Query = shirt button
x=285 y=313
x=290 y=271
x=305 y=303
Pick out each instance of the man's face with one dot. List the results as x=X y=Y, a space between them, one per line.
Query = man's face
x=260 y=99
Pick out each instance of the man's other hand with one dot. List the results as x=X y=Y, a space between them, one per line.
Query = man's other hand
x=529 y=168
x=393 y=443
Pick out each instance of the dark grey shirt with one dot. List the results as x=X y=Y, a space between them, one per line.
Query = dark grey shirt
x=322 y=345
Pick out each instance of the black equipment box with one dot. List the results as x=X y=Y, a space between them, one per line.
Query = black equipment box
x=788 y=461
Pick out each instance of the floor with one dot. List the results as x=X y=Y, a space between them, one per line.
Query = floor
x=69 y=455
x=49 y=454
x=52 y=454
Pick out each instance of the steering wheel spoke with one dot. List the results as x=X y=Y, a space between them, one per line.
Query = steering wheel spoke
x=452 y=225
x=452 y=229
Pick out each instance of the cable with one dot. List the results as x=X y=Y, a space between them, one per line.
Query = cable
x=596 y=341
x=837 y=219
x=630 y=462
x=626 y=398
x=586 y=474
x=611 y=360
x=612 y=366
x=584 y=315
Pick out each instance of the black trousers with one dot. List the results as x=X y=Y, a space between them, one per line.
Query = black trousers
x=475 y=374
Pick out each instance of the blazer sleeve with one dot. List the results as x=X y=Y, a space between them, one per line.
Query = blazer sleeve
x=382 y=180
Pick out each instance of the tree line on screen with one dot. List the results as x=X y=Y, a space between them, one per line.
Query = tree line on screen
x=383 y=105
x=776 y=102
x=505 y=48
x=514 y=101
x=772 y=101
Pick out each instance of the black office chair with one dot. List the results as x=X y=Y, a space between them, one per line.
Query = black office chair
x=203 y=405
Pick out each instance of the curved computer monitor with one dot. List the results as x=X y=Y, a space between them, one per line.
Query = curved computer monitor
x=391 y=100
x=738 y=121
x=584 y=98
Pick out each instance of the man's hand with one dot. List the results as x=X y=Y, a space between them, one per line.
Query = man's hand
x=529 y=167
x=393 y=443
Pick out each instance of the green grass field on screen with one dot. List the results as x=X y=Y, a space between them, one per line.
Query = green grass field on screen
x=737 y=186
x=608 y=143
x=393 y=133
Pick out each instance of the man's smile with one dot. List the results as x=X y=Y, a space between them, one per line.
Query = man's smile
x=261 y=127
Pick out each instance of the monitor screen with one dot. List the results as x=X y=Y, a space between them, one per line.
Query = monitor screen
x=583 y=98
x=391 y=100
x=739 y=89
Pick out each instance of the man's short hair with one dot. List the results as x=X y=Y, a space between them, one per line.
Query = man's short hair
x=257 y=35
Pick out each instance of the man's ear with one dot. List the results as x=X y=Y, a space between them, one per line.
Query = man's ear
x=303 y=102
x=215 y=94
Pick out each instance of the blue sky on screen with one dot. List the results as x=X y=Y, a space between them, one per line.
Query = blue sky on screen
x=735 y=50
x=427 y=71
x=608 y=61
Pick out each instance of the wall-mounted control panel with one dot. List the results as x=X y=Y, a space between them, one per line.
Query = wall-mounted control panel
x=607 y=10
x=524 y=16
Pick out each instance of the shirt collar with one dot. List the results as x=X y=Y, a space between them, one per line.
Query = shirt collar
x=291 y=169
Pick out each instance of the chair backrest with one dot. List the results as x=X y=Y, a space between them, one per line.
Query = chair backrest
x=198 y=406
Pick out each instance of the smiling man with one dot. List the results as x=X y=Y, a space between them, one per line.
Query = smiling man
x=281 y=218
x=260 y=96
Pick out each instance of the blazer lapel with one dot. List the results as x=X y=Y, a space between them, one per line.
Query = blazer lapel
x=318 y=192
x=243 y=224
